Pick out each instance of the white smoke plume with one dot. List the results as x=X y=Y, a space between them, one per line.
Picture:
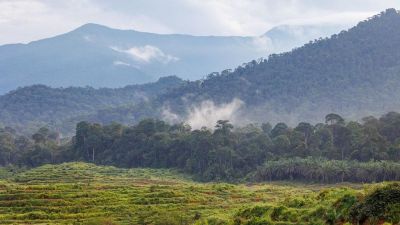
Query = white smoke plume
x=169 y=116
x=206 y=114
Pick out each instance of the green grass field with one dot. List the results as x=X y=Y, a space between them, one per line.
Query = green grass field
x=80 y=193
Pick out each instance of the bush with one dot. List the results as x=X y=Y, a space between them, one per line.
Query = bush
x=381 y=204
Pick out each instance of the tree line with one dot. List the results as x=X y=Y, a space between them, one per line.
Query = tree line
x=333 y=151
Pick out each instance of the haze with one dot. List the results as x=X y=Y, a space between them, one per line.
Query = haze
x=28 y=20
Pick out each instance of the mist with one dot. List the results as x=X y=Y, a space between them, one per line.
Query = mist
x=206 y=114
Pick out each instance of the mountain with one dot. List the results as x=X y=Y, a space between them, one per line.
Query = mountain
x=354 y=73
x=98 y=56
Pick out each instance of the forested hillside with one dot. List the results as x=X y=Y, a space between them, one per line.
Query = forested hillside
x=355 y=72
x=27 y=109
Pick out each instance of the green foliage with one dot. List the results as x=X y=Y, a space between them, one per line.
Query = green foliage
x=335 y=206
x=328 y=153
x=381 y=204
x=100 y=222
x=81 y=193
x=327 y=171
x=340 y=151
x=29 y=108
x=353 y=72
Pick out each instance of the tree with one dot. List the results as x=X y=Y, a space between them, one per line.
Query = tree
x=267 y=128
x=281 y=144
x=342 y=141
x=307 y=130
x=389 y=126
x=41 y=135
x=224 y=125
x=279 y=129
x=89 y=139
x=372 y=147
x=333 y=118
x=7 y=148
x=223 y=134
x=324 y=141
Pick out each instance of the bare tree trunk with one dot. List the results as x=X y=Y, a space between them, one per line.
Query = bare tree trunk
x=342 y=153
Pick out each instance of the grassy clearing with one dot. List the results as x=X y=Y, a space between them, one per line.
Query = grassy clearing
x=81 y=193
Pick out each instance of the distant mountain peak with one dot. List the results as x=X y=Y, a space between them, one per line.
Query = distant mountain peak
x=101 y=56
x=92 y=27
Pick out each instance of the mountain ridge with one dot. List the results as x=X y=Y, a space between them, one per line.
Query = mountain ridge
x=354 y=73
x=99 y=56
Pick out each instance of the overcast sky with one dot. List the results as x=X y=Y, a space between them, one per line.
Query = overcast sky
x=27 y=20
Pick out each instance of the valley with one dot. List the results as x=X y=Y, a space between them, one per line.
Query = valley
x=111 y=126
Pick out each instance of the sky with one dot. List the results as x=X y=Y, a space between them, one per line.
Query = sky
x=22 y=21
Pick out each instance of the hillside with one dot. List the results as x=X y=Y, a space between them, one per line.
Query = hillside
x=353 y=73
x=28 y=108
x=79 y=193
x=99 y=56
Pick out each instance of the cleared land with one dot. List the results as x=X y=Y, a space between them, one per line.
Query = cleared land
x=80 y=193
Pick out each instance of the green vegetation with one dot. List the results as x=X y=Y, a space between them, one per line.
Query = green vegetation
x=27 y=109
x=353 y=73
x=80 y=193
x=327 y=171
x=169 y=160
x=336 y=151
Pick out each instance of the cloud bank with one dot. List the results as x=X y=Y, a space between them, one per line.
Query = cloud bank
x=27 y=20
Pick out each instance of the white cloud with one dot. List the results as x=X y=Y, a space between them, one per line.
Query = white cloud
x=19 y=10
x=26 y=20
x=169 y=116
x=120 y=63
x=148 y=54
x=263 y=43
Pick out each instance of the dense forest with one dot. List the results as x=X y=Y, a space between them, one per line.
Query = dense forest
x=354 y=73
x=333 y=151
x=27 y=109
